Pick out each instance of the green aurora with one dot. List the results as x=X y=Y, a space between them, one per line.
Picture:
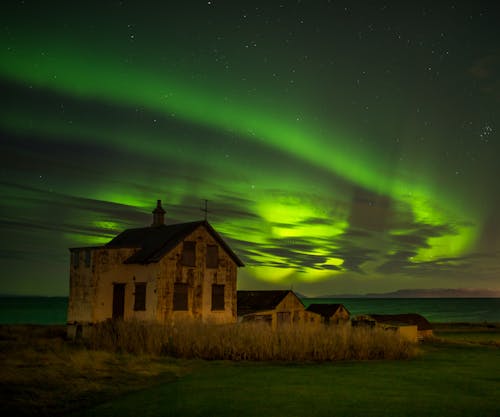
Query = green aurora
x=105 y=115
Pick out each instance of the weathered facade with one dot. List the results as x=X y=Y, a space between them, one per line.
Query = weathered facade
x=279 y=307
x=157 y=273
x=330 y=313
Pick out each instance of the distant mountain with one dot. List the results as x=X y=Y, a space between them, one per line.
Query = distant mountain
x=439 y=293
x=425 y=293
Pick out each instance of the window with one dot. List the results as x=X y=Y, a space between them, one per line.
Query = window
x=284 y=317
x=189 y=253
x=212 y=256
x=88 y=257
x=217 y=297
x=118 y=301
x=140 y=296
x=180 y=296
x=75 y=258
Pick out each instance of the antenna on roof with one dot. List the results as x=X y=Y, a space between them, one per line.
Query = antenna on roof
x=205 y=209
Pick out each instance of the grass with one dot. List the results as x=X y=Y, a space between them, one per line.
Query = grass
x=44 y=375
x=448 y=380
x=469 y=333
x=252 y=341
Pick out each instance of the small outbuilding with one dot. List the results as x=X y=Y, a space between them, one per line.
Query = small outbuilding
x=330 y=313
x=276 y=307
x=423 y=327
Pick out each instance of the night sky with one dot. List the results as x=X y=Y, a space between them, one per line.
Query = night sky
x=344 y=147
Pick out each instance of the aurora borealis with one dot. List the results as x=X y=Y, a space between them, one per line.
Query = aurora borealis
x=343 y=148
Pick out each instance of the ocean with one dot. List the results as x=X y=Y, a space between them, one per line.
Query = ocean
x=446 y=310
x=33 y=310
x=52 y=310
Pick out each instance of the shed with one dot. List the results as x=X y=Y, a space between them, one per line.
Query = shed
x=276 y=307
x=331 y=313
x=424 y=328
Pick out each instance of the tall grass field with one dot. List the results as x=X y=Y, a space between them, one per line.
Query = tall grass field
x=251 y=341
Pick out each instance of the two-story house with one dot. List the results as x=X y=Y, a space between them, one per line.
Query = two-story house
x=157 y=273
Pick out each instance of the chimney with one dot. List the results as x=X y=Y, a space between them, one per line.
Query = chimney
x=158 y=215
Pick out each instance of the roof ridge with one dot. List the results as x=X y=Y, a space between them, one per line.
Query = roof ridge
x=156 y=241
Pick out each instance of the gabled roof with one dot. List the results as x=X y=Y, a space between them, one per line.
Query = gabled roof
x=410 y=318
x=254 y=301
x=326 y=310
x=156 y=241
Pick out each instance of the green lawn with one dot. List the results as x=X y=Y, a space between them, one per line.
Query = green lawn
x=446 y=380
x=486 y=335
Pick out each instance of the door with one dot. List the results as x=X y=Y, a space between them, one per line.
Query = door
x=118 y=301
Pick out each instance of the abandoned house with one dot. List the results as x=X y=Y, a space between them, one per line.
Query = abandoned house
x=330 y=313
x=276 y=307
x=157 y=273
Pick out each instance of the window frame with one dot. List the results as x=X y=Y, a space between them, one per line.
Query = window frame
x=218 y=290
x=179 y=304
x=75 y=258
x=188 y=254
x=212 y=259
x=88 y=257
x=140 y=304
x=284 y=318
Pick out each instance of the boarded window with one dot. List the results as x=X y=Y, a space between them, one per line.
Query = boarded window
x=284 y=317
x=189 y=253
x=212 y=256
x=180 y=296
x=140 y=296
x=217 y=297
x=75 y=258
x=88 y=257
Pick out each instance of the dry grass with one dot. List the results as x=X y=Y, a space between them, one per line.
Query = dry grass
x=251 y=341
x=43 y=374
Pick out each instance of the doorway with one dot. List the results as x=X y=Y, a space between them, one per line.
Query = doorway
x=118 y=301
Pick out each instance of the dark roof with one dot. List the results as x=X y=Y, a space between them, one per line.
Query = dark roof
x=326 y=310
x=410 y=318
x=254 y=301
x=155 y=242
x=84 y=247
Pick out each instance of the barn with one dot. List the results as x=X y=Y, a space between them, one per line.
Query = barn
x=156 y=273
x=276 y=307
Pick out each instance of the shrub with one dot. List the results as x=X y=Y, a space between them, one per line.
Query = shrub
x=250 y=341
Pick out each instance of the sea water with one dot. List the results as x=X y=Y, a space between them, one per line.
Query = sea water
x=33 y=310
x=52 y=310
x=474 y=310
